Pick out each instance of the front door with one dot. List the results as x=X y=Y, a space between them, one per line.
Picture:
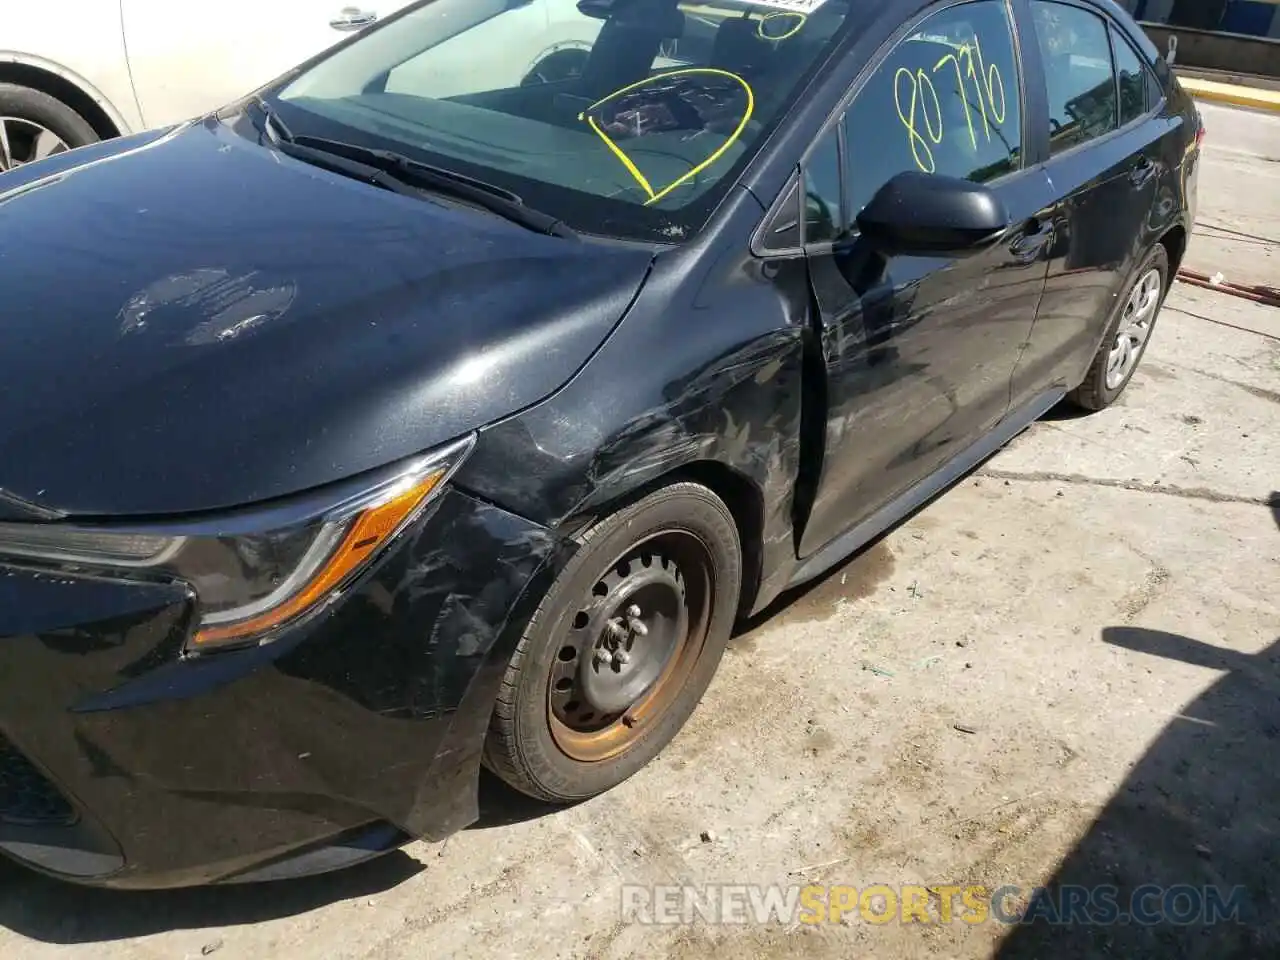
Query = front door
x=920 y=351
x=188 y=57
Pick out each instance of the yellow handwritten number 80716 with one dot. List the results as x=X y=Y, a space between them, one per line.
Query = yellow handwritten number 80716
x=916 y=98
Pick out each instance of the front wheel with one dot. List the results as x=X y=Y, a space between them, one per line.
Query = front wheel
x=621 y=649
x=1128 y=335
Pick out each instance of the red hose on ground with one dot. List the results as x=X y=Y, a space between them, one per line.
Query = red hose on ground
x=1267 y=296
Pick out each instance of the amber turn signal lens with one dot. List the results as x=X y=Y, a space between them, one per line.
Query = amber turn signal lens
x=369 y=531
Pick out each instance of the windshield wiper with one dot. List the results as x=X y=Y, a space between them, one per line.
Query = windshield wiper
x=349 y=168
x=489 y=196
x=400 y=174
x=273 y=120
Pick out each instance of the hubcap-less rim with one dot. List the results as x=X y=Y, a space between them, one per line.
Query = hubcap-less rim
x=1135 y=328
x=630 y=647
x=23 y=141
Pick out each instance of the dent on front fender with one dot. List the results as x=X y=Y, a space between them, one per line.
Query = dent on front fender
x=700 y=373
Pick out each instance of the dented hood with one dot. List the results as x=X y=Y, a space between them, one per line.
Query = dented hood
x=189 y=322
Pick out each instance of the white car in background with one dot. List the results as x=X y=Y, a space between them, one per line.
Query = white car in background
x=76 y=71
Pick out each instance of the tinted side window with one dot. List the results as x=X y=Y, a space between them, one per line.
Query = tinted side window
x=1077 y=63
x=1154 y=93
x=1133 y=80
x=783 y=232
x=822 y=217
x=946 y=100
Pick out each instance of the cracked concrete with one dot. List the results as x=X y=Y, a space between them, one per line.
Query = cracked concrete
x=1067 y=667
x=1199 y=493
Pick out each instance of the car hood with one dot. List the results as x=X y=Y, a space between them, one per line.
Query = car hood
x=190 y=321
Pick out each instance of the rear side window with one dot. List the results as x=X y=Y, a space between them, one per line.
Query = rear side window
x=1154 y=93
x=1135 y=80
x=1078 y=72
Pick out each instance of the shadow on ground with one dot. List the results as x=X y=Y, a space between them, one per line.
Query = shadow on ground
x=56 y=912
x=1201 y=809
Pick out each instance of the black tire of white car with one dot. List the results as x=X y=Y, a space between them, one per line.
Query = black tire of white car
x=1094 y=393
x=539 y=748
x=41 y=109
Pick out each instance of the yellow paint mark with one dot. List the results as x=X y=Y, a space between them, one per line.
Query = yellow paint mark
x=626 y=161
x=978 y=73
x=921 y=150
x=760 y=31
x=629 y=164
x=968 y=62
x=968 y=117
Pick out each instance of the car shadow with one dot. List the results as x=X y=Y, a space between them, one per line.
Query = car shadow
x=1065 y=411
x=504 y=806
x=1200 y=810
x=52 y=911
x=1274 y=502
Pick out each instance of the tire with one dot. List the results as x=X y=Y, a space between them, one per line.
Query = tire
x=28 y=111
x=676 y=551
x=557 y=67
x=1102 y=385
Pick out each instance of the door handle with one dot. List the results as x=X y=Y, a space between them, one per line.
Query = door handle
x=1035 y=235
x=352 y=18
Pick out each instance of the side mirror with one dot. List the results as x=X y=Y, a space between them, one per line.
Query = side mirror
x=923 y=213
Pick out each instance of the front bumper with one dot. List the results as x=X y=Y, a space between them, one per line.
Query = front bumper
x=124 y=764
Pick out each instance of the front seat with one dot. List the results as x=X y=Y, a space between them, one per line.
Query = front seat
x=627 y=46
x=739 y=48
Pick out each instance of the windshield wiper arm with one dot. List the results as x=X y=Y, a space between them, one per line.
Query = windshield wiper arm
x=273 y=120
x=351 y=168
x=488 y=196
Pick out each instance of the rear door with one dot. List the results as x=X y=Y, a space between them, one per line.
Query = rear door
x=1114 y=154
x=191 y=56
x=919 y=350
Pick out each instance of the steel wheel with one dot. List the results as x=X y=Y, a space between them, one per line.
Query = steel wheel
x=1135 y=327
x=24 y=141
x=631 y=645
x=621 y=648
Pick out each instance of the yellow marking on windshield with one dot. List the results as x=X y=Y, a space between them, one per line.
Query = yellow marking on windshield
x=629 y=164
x=626 y=161
x=800 y=17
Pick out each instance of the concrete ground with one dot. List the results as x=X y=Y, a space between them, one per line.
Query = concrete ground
x=1067 y=667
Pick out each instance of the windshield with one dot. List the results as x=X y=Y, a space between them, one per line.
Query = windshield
x=627 y=118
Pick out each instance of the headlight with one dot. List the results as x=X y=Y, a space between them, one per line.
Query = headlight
x=250 y=583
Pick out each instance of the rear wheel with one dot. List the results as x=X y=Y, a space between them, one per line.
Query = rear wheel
x=622 y=648
x=34 y=125
x=1128 y=334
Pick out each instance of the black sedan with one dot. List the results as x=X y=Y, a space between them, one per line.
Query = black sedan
x=392 y=422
